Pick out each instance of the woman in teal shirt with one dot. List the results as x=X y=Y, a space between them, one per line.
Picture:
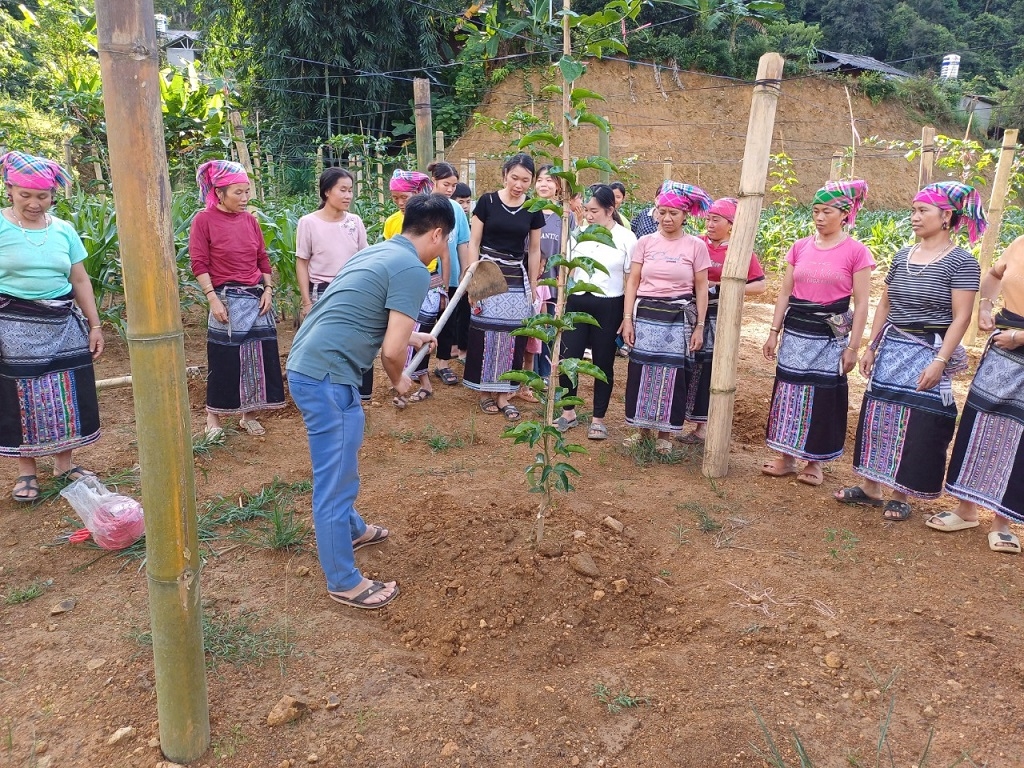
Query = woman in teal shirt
x=49 y=329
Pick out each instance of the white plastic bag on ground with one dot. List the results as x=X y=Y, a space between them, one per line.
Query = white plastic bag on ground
x=115 y=521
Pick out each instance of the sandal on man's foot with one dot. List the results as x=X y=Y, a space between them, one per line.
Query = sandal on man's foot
x=26 y=489
x=75 y=473
x=420 y=395
x=563 y=424
x=400 y=401
x=252 y=427
x=377 y=535
x=597 y=432
x=896 y=511
x=856 y=495
x=511 y=412
x=359 y=601
x=489 y=406
x=447 y=376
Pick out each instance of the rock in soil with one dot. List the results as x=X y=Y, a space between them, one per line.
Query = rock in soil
x=63 y=606
x=611 y=522
x=584 y=565
x=287 y=709
x=120 y=735
x=549 y=548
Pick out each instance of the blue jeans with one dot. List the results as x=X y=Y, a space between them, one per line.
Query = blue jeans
x=334 y=424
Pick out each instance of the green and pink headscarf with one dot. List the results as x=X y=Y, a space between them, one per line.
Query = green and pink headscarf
x=31 y=172
x=845 y=196
x=962 y=200
x=215 y=174
x=686 y=197
x=413 y=182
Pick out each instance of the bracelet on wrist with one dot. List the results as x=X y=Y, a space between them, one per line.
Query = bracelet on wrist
x=986 y=298
x=773 y=329
x=96 y=327
x=207 y=293
x=699 y=324
x=940 y=359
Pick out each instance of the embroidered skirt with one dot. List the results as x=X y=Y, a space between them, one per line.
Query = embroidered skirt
x=811 y=396
x=660 y=363
x=48 y=398
x=987 y=465
x=698 y=398
x=430 y=310
x=903 y=434
x=493 y=350
x=244 y=365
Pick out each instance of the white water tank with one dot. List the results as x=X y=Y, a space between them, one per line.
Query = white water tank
x=161 y=24
x=950 y=67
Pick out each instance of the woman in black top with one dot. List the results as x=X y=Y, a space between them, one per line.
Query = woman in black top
x=503 y=230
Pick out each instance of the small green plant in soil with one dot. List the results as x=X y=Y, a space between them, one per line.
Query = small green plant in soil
x=236 y=640
x=679 y=535
x=644 y=453
x=705 y=522
x=205 y=443
x=619 y=701
x=439 y=442
x=841 y=544
x=280 y=531
x=17 y=595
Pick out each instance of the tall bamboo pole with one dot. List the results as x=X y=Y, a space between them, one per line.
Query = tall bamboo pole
x=604 y=150
x=836 y=169
x=131 y=98
x=424 y=128
x=996 y=205
x=924 y=175
x=753 y=175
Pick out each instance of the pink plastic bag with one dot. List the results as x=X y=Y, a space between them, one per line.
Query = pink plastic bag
x=115 y=521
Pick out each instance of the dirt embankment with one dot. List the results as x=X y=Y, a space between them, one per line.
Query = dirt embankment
x=698 y=124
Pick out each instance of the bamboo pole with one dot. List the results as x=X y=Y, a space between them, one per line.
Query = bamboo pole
x=471 y=175
x=68 y=164
x=753 y=175
x=464 y=170
x=604 y=150
x=129 y=66
x=238 y=133
x=439 y=146
x=924 y=175
x=319 y=160
x=996 y=206
x=666 y=168
x=380 y=182
x=424 y=128
x=836 y=170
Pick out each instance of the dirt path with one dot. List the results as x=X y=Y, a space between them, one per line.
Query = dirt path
x=817 y=615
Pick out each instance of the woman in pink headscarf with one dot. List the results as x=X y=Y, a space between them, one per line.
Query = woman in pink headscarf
x=719 y=221
x=49 y=328
x=229 y=260
x=666 y=302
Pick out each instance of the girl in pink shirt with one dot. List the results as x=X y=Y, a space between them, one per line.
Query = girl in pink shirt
x=807 y=420
x=666 y=301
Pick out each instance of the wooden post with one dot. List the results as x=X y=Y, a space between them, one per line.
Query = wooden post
x=271 y=176
x=753 y=175
x=101 y=187
x=69 y=165
x=359 y=161
x=380 y=182
x=471 y=175
x=129 y=65
x=439 y=145
x=996 y=205
x=464 y=171
x=924 y=176
x=836 y=171
x=238 y=133
x=667 y=168
x=604 y=150
x=319 y=160
x=424 y=129
x=257 y=178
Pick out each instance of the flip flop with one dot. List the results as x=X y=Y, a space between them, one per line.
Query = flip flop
x=1003 y=542
x=252 y=427
x=813 y=479
x=511 y=412
x=949 y=522
x=856 y=495
x=447 y=376
x=899 y=511
x=359 y=601
x=420 y=395
x=75 y=473
x=379 y=534
x=29 y=489
x=400 y=401
x=769 y=468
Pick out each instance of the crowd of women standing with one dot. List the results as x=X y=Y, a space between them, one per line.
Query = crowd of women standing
x=654 y=294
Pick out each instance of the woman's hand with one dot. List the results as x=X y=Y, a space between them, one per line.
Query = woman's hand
x=219 y=311
x=849 y=359
x=867 y=362
x=697 y=339
x=304 y=309
x=266 y=300
x=96 y=342
x=626 y=331
x=985 y=320
x=1008 y=339
x=930 y=376
x=768 y=350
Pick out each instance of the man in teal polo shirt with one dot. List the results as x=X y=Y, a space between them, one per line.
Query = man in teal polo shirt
x=370 y=306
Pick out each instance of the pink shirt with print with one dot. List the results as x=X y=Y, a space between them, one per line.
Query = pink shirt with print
x=825 y=275
x=669 y=265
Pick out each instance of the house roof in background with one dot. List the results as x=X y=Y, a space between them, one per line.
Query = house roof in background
x=834 y=61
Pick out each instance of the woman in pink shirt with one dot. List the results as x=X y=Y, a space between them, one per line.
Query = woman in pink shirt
x=807 y=420
x=229 y=260
x=666 y=301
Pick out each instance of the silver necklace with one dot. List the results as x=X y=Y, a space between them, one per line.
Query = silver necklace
x=927 y=264
x=508 y=210
x=24 y=231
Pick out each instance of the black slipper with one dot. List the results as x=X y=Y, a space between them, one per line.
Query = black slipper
x=359 y=601
x=447 y=376
x=856 y=495
x=898 y=511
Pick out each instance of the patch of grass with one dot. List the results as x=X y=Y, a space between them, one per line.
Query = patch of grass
x=841 y=543
x=280 y=531
x=204 y=444
x=405 y=436
x=236 y=640
x=679 y=535
x=31 y=591
x=705 y=522
x=227 y=746
x=620 y=701
x=644 y=454
x=440 y=443
x=277 y=493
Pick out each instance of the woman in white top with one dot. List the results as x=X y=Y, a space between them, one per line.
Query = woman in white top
x=327 y=238
x=605 y=307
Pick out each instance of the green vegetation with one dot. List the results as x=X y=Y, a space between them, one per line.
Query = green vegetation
x=620 y=701
x=236 y=640
x=31 y=591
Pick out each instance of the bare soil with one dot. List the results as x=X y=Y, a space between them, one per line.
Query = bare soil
x=692 y=127
x=494 y=654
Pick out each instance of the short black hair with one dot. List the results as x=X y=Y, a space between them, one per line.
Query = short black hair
x=426 y=212
x=619 y=186
x=462 y=190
